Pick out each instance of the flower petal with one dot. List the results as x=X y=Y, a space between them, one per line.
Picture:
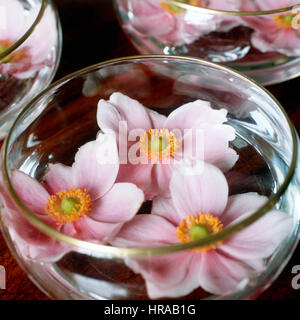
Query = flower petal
x=187 y=280
x=119 y=204
x=31 y=192
x=96 y=166
x=108 y=117
x=164 y=207
x=131 y=110
x=192 y=115
x=239 y=204
x=91 y=230
x=58 y=178
x=138 y=174
x=158 y=120
x=146 y=231
x=260 y=239
x=219 y=274
x=198 y=187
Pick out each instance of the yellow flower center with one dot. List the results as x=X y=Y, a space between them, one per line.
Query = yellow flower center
x=69 y=205
x=173 y=9
x=14 y=56
x=285 y=20
x=158 y=144
x=199 y=226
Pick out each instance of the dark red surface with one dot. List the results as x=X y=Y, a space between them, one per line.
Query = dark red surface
x=92 y=34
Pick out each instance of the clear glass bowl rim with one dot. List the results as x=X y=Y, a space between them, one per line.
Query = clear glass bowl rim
x=27 y=34
x=234 y=13
x=119 y=252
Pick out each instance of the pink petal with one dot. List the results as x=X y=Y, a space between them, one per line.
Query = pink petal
x=58 y=178
x=53 y=252
x=158 y=120
x=197 y=189
x=260 y=239
x=31 y=192
x=165 y=208
x=108 y=117
x=163 y=174
x=220 y=274
x=186 y=284
x=226 y=161
x=239 y=204
x=140 y=175
x=119 y=204
x=131 y=110
x=91 y=230
x=194 y=114
x=163 y=273
x=146 y=231
x=96 y=166
x=27 y=231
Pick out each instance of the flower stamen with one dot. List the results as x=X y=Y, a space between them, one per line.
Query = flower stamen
x=285 y=20
x=69 y=205
x=15 y=56
x=173 y=9
x=158 y=144
x=198 y=226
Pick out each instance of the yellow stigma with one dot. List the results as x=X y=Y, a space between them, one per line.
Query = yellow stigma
x=198 y=226
x=14 y=56
x=69 y=205
x=158 y=144
x=285 y=20
x=173 y=9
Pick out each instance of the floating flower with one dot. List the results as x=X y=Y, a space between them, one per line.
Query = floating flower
x=276 y=32
x=200 y=206
x=37 y=51
x=170 y=24
x=82 y=201
x=194 y=130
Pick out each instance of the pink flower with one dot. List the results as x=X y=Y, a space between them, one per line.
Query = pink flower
x=35 y=52
x=274 y=33
x=199 y=206
x=169 y=23
x=165 y=141
x=82 y=201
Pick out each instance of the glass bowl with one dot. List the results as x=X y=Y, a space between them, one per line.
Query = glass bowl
x=30 y=50
x=259 y=38
x=62 y=118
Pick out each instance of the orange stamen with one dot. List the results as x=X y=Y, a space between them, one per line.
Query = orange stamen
x=211 y=223
x=80 y=209
x=15 y=56
x=285 y=20
x=158 y=144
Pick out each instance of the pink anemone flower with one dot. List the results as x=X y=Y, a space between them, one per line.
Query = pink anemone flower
x=277 y=32
x=82 y=201
x=37 y=51
x=194 y=130
x=168 y=23
x=200 y=206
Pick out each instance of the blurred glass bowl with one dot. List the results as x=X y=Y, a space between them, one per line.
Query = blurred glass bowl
x=258 y=38
x=60 y=119
x=30 y=50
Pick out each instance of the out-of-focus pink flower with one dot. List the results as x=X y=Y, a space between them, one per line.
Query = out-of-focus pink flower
x=194 y=130
x=199 y=206
x=38 y=50
x=172 y=25
x=82 y=201
x=276 y=32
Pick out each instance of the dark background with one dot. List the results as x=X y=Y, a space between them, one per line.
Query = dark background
x=91 y=34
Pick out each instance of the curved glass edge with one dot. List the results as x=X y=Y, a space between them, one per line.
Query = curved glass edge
x=119 y=252
x=234 y=13
x=27 y=33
